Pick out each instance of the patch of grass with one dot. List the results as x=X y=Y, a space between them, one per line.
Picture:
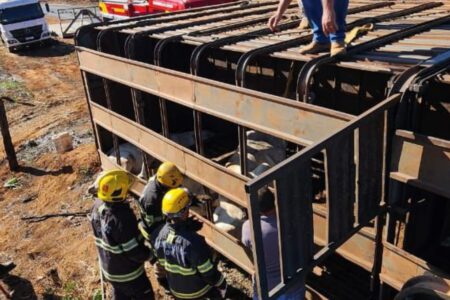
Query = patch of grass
x=10 y=85
x=70 y=291
x=14 y=89
x=97 y=295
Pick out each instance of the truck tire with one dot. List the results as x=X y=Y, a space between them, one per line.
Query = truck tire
x=424 y=288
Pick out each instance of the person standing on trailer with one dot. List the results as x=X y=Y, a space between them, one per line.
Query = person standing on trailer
x=184 y=254
x=304 y=23
x=120 y=246
x=269 y=230
x=167 y=176
x=327 y=20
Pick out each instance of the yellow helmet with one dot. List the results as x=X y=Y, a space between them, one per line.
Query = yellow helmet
x=175 y=202
x=169 y=175
x=113 y=186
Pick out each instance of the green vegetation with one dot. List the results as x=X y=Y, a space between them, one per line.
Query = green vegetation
x=70 y=291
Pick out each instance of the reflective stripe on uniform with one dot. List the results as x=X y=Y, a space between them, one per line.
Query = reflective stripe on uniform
x=101 y=208
x=149 y=219
x=144 y=232
x=124 y=277
x=172 y=268
x=205 y=267
x=128 y=246
x=170 y=237
x=221 y=280
x=198 y=294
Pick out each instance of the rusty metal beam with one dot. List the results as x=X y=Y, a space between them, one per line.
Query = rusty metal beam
x=196 y=167
x=308 y=153
x=421 y=161
x=359 y=249
x=399 y=266
x=223 y=242
x=340 y=188
x=295 y=122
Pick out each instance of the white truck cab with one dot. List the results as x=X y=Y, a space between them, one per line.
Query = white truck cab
x=22 y=23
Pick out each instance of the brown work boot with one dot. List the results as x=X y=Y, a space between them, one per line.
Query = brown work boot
x=337 y=48
x=314 y=47
x=304 y=23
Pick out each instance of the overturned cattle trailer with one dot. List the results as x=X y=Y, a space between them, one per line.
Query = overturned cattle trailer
x=367 y=135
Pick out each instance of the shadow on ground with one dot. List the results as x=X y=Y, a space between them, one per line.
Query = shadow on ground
x=40 y=172
x=21 y=288
x=52 y=48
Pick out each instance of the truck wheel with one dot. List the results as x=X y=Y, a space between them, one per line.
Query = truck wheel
x=424 y=288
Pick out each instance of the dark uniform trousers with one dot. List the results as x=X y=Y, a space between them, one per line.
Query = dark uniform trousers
x=138 y=289
x=121 y=250
x=187 y=259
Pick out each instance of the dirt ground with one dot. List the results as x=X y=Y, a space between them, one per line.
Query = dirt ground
x=55 y=257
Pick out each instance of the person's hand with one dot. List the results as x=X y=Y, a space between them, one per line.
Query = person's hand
x=329 y=24
x=273 y=22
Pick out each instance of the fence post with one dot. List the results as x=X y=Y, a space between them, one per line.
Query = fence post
x=9 y=147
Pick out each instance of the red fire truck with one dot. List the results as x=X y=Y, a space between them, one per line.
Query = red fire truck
x=123 y=9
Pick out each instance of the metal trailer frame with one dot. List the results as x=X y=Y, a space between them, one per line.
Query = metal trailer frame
x=358 y=148
x=91 y=14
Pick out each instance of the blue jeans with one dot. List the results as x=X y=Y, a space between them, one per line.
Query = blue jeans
x=313 y=11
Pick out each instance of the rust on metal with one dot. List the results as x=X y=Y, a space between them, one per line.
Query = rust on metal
x=214 y=176
x=368 y=141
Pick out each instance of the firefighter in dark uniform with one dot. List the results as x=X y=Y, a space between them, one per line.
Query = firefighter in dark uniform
x=120 y=246
x=167 y=176
x=186 y=257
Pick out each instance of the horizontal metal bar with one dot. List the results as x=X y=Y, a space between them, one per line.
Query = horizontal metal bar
x=359 y=249
x=299 y=123
x=196 y=167
x=306 y=154
x=399 y=266
x=224 y=243
x=421 y=161
x=310 y=68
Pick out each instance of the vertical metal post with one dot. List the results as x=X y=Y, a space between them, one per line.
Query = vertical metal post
x=88 y=100
x=242 y=136
x=109 y=105
x=164 y=120
x=198 y=132
x=378 y=256
x=136 y=96
x=9 y=147
x=257 y=244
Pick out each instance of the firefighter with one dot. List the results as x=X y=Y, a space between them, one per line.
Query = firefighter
x=167 y=176
x=120 y=246
x=184 y=254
